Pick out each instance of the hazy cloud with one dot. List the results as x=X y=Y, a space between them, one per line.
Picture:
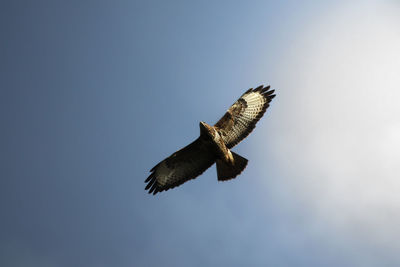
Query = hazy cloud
x=336 y=123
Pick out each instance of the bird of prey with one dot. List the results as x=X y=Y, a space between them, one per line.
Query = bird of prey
x=213 y=145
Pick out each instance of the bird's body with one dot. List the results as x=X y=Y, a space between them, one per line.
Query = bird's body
x=213 y=145
x=217 y=144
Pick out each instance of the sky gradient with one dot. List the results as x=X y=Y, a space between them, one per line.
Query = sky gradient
x=95 y=93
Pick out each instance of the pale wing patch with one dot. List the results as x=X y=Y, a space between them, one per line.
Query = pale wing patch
x=242 y=116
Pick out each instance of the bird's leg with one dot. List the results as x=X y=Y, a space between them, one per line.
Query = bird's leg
x=229 y=158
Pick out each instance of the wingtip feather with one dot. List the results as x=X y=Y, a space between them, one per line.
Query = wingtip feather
x=149 y=178
x=265 y=89
x=259 y=88
x=270 y=92
x=153 y=187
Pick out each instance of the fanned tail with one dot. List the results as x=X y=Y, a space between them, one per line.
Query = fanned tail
x=228 y=171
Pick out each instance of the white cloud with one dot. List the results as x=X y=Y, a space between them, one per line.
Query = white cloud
x=336 y=122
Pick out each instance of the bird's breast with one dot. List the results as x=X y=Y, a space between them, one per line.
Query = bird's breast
x=221 y=150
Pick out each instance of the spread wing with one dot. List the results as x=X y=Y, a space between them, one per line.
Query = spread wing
x=242 y=116
x=183 y=165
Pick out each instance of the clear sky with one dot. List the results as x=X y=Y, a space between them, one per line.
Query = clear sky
x=93 y=94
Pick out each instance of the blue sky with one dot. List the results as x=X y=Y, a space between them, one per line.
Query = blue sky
x=95 y=93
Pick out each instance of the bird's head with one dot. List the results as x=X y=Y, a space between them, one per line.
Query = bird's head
x=207 y=130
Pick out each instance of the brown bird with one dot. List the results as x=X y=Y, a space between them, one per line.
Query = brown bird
x=213 y=145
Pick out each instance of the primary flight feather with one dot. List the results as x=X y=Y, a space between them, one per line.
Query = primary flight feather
x=213 y=144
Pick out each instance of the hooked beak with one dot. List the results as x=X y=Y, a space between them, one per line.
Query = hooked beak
x=203 y=127
x=202 y=124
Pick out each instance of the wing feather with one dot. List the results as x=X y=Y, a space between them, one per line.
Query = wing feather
x=241 y=118
x=181 y=166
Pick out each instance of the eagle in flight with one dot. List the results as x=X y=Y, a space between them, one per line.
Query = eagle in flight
x=213 y=145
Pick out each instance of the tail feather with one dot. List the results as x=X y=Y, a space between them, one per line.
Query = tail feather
x=227 y=171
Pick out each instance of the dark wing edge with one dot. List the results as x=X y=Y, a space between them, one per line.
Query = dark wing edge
x=180 y=167
x=242 y=117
